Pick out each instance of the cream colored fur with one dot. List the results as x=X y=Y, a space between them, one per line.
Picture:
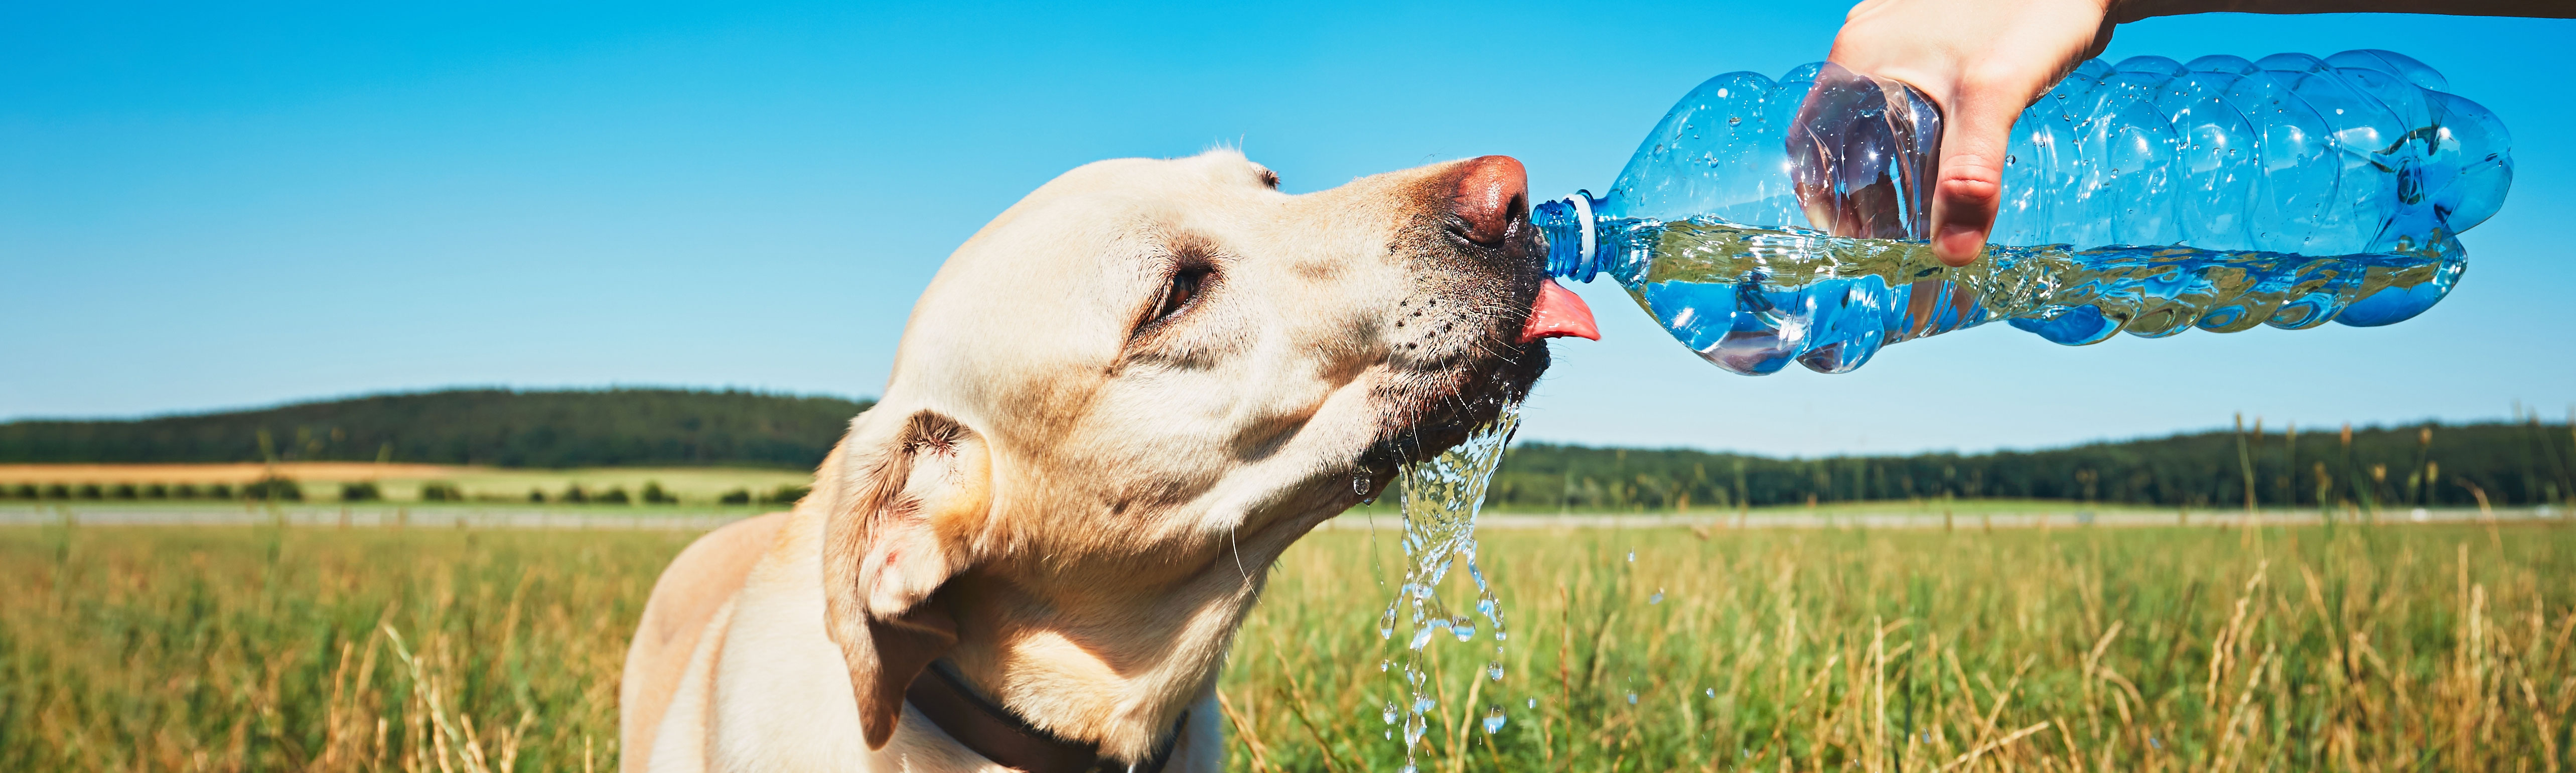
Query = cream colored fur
x=1072 y=495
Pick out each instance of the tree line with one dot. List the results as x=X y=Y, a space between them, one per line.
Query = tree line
x=2522 y=462
x=2527 y=462
x=498 y=427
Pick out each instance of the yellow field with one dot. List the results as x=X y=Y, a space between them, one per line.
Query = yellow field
x=2382 y=648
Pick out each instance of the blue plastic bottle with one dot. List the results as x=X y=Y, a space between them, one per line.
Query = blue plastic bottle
x=1769 y=221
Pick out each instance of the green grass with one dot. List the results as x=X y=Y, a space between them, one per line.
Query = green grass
x=2413 y=647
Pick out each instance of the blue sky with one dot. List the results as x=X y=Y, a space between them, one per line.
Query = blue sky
x=210 y=208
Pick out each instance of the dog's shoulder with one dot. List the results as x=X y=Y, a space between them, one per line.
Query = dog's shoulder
x=697 y=584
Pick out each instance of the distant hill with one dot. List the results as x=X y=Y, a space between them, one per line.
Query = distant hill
x=507 y=428
x=2512 y=464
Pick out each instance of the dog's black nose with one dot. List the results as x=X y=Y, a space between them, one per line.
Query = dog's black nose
x=1491 y=190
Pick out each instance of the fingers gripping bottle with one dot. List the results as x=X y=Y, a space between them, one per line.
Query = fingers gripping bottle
x=1769 y=221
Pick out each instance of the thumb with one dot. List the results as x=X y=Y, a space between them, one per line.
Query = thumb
x=1970 y=184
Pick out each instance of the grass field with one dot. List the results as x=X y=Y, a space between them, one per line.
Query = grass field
x=2399 y=647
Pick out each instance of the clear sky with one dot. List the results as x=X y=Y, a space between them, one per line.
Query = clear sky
x=209 y=208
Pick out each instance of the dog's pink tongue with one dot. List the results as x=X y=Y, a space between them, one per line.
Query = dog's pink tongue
x=1558 y=312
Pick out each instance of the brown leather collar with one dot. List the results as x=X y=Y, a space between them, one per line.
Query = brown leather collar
x=1002 y=736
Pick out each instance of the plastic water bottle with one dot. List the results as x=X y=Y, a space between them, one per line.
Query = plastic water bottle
x=1768 y=221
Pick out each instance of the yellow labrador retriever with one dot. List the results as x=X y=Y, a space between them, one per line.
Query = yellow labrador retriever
x=1111 y=410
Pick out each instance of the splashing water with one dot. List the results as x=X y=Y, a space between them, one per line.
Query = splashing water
x=1440 y=498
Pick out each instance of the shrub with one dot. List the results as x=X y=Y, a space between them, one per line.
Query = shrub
x=441 y=492
x=789 y=494
x=27 y=491
x=156 y=491
x=58 y=491
x=362 y=491
x=91 y=491
x=124 y=491
x=573 y=494
x=273 y=489
x=735 y=497
x=219 y=491
x=616 y=496
x=536 y=497
x=183 y=491
x=654 y=495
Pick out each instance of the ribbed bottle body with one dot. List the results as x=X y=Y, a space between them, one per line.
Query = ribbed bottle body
x=1768 y=221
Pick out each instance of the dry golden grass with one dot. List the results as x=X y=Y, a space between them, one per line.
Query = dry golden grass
x=2418 y=648
x=2421 y=648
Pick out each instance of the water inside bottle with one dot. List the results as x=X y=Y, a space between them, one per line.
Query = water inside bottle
x=1752 y=299
x=1440 y=499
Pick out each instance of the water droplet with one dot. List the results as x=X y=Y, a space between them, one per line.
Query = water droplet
x=1493 y=719
x=1533 y=703
x=1710 y=692
x=1382 y=665
x=1658 y=598
x=1390 y=712
x=1734 y=120
x=2009 y=160
x=1632 y=556
x=1494 y=671
x=1632 y=700
x=1463 y=628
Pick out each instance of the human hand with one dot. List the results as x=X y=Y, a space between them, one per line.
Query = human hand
x=1982 y=61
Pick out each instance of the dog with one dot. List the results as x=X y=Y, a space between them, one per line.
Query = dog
x=1111 y=410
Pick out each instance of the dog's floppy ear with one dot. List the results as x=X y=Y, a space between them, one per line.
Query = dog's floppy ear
x=911 y=487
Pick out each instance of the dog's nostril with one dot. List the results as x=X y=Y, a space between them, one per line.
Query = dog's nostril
x=1490 y=192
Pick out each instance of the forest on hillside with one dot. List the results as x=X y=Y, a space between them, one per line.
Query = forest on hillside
x=2526 y=463
x=499 y=427
x=2509 y=463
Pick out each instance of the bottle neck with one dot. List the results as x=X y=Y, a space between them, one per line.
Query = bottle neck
x=1573 y=231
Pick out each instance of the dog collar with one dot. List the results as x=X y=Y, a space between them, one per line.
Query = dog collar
x=1006 y=738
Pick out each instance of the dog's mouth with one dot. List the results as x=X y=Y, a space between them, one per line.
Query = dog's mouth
x=1465 y=367
x=1470 y=338
x=1431 y=411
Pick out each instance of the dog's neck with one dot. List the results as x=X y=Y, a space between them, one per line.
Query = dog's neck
x=1002 y=736
x=1117 y=676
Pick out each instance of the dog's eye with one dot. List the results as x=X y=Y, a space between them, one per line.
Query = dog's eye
x=1177 y=296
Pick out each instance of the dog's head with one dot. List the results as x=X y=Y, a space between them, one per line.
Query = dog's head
x=1120 y=400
